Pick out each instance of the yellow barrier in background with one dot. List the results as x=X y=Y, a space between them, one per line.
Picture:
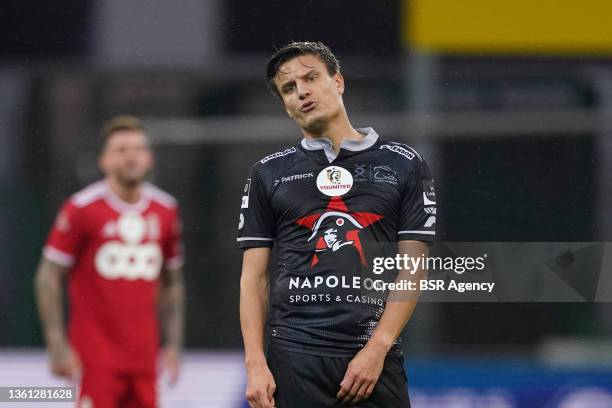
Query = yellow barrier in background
x=561 y=27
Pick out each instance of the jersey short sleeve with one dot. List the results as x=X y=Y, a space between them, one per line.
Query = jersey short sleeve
x=173 y=247
x=418 y=206
x=256 y=224
x=64 y=240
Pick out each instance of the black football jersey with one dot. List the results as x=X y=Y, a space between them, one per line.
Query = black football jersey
x=326 y=214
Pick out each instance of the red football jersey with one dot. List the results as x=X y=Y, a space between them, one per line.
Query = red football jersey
x=116 y=252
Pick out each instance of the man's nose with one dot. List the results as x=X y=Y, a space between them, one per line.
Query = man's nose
x=130 y=155
x=303 y=91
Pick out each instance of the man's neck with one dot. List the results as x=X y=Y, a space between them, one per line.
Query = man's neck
x=336 y=131
x=128 y=193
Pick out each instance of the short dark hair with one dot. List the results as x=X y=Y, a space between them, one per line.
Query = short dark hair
x=119 y=123
x=296 y=49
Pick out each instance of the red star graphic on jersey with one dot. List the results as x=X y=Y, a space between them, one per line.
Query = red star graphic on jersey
x=336 y=204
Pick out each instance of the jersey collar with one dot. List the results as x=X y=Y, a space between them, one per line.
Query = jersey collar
x=120 y=206
x=323 y=143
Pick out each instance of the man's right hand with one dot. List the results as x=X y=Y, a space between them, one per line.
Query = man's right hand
x=64 y=361
x=260 y=386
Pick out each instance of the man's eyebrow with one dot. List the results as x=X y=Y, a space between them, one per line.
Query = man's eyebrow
x=289 y=81
x=309 y=72
x=292 y=81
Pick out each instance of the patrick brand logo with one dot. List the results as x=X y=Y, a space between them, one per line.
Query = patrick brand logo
x=334 y=181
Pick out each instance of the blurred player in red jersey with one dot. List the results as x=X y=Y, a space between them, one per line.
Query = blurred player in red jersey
x=118 y=242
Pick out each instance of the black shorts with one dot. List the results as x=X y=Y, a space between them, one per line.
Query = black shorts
x=309 y=381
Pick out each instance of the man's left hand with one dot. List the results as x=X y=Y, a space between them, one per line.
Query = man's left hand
x=361 y=375
x=172 y=364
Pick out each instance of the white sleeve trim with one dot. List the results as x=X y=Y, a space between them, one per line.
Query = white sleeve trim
x=59 y=257
x=418 y=232
x=254 y=239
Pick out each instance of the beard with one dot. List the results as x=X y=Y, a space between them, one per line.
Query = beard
x=316 y=125
x=319 y=122
x=130 y=178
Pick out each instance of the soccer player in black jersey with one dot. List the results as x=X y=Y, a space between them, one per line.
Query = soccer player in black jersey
x=323 y=203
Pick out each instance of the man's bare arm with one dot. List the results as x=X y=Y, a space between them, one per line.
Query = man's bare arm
x=364 y=370
x=400 y=305
x=172 y=317
x=254 y=291
x=49 y=291
x=172 y=308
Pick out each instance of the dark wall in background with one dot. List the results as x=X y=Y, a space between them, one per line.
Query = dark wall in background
x=517 y=190
x=523 y=189
x=358 y=26
x=45 y=28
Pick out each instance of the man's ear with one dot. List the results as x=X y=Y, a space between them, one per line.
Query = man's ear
x=339 y=79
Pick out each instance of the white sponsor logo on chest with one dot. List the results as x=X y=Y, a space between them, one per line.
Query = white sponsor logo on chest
x=128 y=257
x=334 y=181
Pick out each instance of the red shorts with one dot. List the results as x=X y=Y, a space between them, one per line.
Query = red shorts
x=103 y=388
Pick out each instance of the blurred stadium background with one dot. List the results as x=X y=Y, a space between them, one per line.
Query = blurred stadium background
x=510 y=101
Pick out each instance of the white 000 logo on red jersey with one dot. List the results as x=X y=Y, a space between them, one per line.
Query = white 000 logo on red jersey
x=116 y=260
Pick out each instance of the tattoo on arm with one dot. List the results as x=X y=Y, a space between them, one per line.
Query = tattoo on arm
x=172 y=307
x=48 y=285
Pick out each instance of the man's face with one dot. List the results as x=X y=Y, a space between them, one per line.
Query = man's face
x=311 y=96
x=334 y=176
x=127 y=156
x=330 y=236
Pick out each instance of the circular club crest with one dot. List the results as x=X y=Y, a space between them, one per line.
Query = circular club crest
x=131 y=227
x=334 y=181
